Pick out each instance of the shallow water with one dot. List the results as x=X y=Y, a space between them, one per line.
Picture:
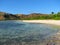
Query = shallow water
x=24 y=32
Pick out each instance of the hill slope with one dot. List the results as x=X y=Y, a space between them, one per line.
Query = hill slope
x=32 y=16
x=7 y=16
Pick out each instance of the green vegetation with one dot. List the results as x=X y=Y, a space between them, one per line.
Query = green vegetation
x=33 y=16
x=51 y=16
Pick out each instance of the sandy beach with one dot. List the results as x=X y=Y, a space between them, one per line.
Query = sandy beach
x=54 y=22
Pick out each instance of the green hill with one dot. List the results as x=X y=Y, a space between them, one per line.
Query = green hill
x=32 y=16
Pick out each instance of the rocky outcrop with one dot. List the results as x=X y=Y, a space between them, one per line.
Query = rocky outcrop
x=7 y=16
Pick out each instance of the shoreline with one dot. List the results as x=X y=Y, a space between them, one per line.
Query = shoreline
x=54 y=39
x=53 y=22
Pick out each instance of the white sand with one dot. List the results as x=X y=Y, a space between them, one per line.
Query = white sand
x=54 y=22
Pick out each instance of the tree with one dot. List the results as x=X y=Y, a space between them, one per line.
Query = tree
x=52 y=12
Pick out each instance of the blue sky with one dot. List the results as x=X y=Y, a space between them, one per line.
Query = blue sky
x=29 y=6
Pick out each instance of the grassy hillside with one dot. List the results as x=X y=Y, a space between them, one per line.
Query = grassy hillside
x=33 y=16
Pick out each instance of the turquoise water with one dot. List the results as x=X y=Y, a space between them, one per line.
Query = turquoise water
x=24 y=32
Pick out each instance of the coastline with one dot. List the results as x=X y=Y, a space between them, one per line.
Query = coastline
x=54 y=39
x=53 y=22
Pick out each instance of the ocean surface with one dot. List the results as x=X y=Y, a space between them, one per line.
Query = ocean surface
x=20 y=33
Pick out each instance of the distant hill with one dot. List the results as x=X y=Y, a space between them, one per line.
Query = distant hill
x=32 y=16
x=8 y=16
